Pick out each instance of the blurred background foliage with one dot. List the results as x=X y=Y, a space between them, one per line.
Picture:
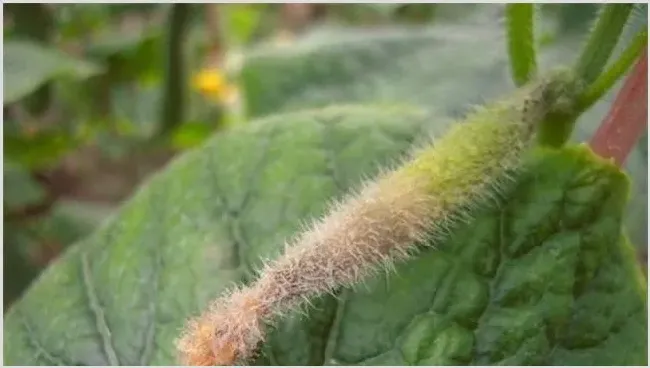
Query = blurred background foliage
x=98 y=96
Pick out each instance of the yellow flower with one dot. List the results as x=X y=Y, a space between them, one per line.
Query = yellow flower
x=212 y=84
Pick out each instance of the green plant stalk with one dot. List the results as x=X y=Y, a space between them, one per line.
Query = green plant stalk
x=34 y=22
x=557 y=125
x=521 y=42
x=556 y=129
x=607 y=79
x=173 y=103
x=602 y=41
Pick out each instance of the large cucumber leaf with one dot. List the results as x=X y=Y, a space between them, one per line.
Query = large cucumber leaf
x=120 y=295
x=547 y=280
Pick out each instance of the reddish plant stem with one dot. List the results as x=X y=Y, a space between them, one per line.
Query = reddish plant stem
x=627 y=118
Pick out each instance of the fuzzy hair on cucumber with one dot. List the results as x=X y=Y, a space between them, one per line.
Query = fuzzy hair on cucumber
x=382 y=222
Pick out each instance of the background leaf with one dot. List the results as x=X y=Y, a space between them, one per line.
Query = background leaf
x=444 y=67
x=240 y=21
x=20 y=188
x=28 y=65
x=40 y=150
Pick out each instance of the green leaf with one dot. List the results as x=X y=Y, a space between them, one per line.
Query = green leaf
x=116 y=41
x=138 y=106
x=41 y=149
x=131 y=54
x=199 y=215
x=546 y=280
x=77 y=21
x=397 y=65
x=20 y=189
x=445 y=67
x=27 y=66
x=191 y=134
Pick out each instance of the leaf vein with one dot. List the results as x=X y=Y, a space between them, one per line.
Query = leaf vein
x=50 y=357
x=98 y=313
